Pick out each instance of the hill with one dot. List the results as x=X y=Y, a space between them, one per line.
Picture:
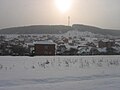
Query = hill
x=37 y=29
x=57 y=29
x=96 y=30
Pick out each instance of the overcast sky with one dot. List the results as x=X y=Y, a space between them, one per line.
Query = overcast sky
x=101 y=13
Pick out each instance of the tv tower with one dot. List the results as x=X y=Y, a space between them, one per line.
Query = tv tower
x=68 y=20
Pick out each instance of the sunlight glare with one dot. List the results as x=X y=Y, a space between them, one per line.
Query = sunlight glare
x=63 y=5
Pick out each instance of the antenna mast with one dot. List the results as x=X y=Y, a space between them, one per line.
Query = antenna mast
x=68 y=20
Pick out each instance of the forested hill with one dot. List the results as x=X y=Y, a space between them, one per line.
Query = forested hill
x=96 y=30
x=37 y=29
x=57 y=29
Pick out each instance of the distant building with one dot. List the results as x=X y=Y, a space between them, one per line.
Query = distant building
x=91 y=44
x=106 y=43
x=45 y=48
x=61 y=49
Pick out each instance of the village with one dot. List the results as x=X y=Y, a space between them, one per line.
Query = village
x=70 y=43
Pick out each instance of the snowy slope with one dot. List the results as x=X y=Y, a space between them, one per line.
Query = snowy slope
x=56 y=73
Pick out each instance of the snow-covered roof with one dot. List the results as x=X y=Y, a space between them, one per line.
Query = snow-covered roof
x=69 y=46
x=102 y=49
x=44 y=42
x=84 y=49
x=117 y=40
x=117 y=43
x=117 y=49
x=107 y=40
x=30 y=44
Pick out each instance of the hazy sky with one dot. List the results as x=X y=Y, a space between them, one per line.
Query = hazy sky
x=102 y=13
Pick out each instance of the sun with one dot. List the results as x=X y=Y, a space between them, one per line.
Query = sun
x=63 y=5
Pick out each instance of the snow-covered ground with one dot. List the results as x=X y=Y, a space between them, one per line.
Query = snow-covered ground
x=60 y=73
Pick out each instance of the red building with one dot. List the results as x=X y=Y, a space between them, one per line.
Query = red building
x=45 y=48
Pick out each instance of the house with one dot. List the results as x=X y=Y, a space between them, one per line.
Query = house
x=31 y=48
x=61 y=49
x=106 y=43
x=83 y=50
x=65 y=40
x=71 y=51
x=117 y=42
x=91 y=44
x=94 y=51
x=45 y=48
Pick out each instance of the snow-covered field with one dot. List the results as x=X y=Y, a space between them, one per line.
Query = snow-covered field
x=60 y=73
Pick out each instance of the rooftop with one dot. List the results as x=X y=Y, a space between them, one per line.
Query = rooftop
x=44 y=42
